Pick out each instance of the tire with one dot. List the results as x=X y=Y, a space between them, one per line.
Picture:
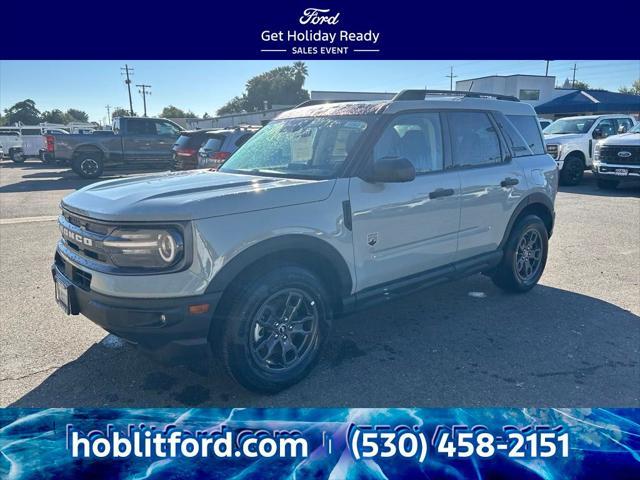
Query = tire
x=259 y=340
x=572 y=171
x=512 y=274
x=17 y=156
x=605 y=184
x=88 y=165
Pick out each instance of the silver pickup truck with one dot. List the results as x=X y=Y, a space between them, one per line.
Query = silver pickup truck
x=137 y=143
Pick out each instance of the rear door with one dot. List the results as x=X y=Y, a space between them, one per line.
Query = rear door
x=138 y=141
x=400 y=229
x=491 y=183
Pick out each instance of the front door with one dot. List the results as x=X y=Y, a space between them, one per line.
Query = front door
x=400 y=229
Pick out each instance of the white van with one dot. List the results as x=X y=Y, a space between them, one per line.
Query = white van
x=11 y=141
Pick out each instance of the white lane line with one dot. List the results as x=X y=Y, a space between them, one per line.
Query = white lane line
x=45 y=218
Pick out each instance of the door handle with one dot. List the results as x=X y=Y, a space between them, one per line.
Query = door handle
x=509 y=182
x=441 y=192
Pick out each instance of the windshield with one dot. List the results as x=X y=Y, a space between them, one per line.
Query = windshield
x=314 y=147
x=635 y=129
x=574 y=125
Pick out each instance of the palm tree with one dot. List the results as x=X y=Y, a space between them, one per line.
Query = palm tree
x=300 y=72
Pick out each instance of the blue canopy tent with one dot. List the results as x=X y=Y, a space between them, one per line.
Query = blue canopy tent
x=585 y=102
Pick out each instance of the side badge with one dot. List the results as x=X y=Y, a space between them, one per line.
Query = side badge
x=372 y=239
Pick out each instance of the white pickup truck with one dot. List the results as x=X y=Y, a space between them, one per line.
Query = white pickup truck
x=571 y=141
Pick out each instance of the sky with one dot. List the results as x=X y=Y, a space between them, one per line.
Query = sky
x=204 y=86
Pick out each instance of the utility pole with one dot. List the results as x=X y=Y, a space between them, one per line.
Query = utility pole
x=546 y=70
x=127 y=69
x=451 y=76
x=144 y=91
x=573 y=83
x=108 y=107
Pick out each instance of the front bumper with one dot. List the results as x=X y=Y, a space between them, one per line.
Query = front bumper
x=162 y=327
x=610 y=170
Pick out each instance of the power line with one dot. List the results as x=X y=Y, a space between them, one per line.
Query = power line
x=127 y=70
x=144 y=91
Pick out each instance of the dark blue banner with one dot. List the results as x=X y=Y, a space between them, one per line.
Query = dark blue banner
x=320 y=443
x=319 y=29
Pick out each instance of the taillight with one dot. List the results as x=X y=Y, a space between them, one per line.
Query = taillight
x=186 y=152
x=220 y=156
x=50 y=143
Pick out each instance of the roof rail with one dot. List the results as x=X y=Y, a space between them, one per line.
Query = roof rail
x=422 y=94
x=309 y=103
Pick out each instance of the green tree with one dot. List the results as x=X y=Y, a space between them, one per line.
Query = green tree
x=633 y=90
x=74 y=115
x=578 y=85
x=121 y=112
x=279 y=86
x=24 y=112
x=175 y=112
x=54 y=116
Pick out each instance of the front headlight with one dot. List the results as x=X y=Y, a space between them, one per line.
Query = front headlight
x=146 y=248
x=596 y=152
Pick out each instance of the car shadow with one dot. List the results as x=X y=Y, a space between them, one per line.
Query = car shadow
x=461 y=344
x=588 y=186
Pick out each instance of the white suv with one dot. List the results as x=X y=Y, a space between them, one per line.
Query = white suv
x=571 y=141
x=328 y=208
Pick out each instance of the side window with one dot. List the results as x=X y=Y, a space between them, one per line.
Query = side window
x=528 y=127
x=607 y=127
x=474 y=139
x=624 y=124
x=140 y=126
x=166 y=128
x=416 y=137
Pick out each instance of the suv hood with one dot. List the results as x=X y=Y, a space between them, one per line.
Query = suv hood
x=561 y=138
x=177 y=196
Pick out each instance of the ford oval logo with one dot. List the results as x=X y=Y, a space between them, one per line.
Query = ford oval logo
x=624 y=154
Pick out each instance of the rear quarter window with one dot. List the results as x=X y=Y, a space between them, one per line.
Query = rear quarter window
x=529 y=128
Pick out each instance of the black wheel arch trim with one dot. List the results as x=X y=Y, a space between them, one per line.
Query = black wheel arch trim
x=88 y=148
x=536 y=198
x=283 y=244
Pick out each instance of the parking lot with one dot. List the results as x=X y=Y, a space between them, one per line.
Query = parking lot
x=574 y=341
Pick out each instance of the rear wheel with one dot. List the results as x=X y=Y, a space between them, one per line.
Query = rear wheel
x=17 y=156
x=572 y=170
x=274 y=328
x=606 y=184
x=525 y=256
x=88 y=165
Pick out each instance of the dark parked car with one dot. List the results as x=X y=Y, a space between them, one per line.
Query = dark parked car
x=221 y=144
x=185 y=150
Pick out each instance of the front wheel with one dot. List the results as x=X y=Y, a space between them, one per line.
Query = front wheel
x=525 y=256
x=572 y=171
x=17 y=156
x=274 y=328
x=88 y=165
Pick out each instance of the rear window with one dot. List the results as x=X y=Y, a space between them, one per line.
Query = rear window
x=529 y=128
x=213 y=144
x=31 y=131
x=183 y=140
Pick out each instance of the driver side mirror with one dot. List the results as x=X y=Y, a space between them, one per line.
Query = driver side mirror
x=597 y=133
x=622 y=129
x=392 y=170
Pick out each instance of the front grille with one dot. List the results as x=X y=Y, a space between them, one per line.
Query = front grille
x=79 y=277
x=84 y=237
x=609 y=154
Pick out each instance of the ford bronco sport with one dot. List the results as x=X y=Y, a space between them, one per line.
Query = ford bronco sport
x=328 y=208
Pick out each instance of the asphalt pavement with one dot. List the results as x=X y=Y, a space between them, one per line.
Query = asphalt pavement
x=573 y=341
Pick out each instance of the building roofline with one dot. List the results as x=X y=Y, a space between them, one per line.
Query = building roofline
x=507 y=76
